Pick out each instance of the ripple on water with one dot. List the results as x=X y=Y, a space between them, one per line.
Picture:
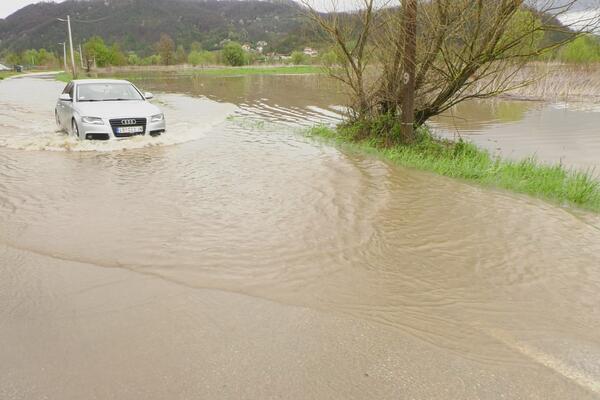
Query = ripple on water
x=254 y=208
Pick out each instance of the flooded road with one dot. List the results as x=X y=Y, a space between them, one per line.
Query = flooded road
x=236 y=258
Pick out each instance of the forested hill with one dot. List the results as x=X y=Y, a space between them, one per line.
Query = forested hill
x=137 y=24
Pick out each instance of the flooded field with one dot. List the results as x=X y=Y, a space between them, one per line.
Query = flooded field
x=554 y=133
x=236 y=258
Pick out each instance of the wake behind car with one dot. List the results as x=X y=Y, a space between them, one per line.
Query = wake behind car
x=103 y=109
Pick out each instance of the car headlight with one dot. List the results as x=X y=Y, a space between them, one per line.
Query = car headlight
x=157 y=118
x=92 y=120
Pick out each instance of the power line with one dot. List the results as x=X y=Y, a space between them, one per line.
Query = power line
x=91 y=21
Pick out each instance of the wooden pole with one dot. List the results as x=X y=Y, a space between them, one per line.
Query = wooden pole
x=71 y=47
x=409 y=64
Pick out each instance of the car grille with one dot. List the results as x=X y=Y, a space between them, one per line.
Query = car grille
x=118 y=123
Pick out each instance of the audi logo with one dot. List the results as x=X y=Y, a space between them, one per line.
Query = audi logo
x=128 y=122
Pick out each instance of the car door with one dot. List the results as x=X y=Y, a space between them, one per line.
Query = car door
x=64 y=108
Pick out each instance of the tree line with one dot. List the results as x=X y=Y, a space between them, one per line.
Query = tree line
x=95 y=52
x=583 y=49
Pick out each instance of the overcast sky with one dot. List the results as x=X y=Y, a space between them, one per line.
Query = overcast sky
x=8 y=7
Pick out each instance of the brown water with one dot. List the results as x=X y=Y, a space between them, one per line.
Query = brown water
x=236 y=258
x=565 y=133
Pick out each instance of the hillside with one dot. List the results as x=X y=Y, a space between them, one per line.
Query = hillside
x=137 y=24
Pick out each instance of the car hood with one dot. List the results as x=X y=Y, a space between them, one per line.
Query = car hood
x=117 y=109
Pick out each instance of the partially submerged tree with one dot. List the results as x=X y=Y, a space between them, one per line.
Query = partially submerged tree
x=442 y=52
x=165 y=48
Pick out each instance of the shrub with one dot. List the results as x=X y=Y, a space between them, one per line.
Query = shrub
x=298 y=58
x=200 y=57
x=233 y=54
x=584 y=49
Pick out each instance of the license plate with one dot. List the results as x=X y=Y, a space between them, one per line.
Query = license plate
x=130 y=129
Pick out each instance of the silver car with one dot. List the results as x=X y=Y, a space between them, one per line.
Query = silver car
x=102 y=109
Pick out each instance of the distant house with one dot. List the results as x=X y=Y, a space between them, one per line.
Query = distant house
x=260 y=46
x=4 y=68
x=308 y=51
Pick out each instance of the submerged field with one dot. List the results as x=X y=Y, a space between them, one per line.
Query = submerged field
x=256 y=70
x=526 y=174
x=206 y=71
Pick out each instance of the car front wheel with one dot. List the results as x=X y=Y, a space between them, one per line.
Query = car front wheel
x=58 y=124
x=75 y=129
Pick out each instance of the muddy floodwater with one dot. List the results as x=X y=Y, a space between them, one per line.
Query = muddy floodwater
x=235 y=258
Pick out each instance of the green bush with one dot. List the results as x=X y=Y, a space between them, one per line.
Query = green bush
x=233 y=54
x=584 y=49
x=329 y=58
x=298 y=58
x=200 y=57
x=154 y=59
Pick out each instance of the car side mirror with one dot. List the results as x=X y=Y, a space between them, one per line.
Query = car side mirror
x=148 y=96
x=65 y=97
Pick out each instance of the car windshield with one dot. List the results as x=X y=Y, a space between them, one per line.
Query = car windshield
x=107 y=92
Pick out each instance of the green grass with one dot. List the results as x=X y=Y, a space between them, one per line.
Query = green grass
x=64 y=77
x=7 y=74
x=465 y=161
x=234 y=71
x=282 y=70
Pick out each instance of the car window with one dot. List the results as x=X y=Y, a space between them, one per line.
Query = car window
x=71 y=91
x=107 y=92
x=68 y=89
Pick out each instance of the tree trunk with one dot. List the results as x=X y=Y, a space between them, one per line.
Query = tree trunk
x=409 y=66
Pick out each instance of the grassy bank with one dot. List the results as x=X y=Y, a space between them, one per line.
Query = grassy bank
x=465 y=161
x=64 y=77
x=7 y=74
x=210 y=71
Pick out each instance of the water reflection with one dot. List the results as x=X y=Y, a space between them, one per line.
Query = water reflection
x=475 y=117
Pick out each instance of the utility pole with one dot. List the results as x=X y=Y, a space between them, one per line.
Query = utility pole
x=68 y=21
x=64 y=45
x=410 y=51
x=71 y=46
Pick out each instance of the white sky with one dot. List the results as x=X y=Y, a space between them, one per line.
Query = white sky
x=582 y=20
x=8 y=7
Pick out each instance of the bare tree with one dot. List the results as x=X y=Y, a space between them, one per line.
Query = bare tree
x=349 y=34
x=464 y=49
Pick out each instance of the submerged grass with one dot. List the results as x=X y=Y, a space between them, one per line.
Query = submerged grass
x=278 y=70
x=466 y=161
